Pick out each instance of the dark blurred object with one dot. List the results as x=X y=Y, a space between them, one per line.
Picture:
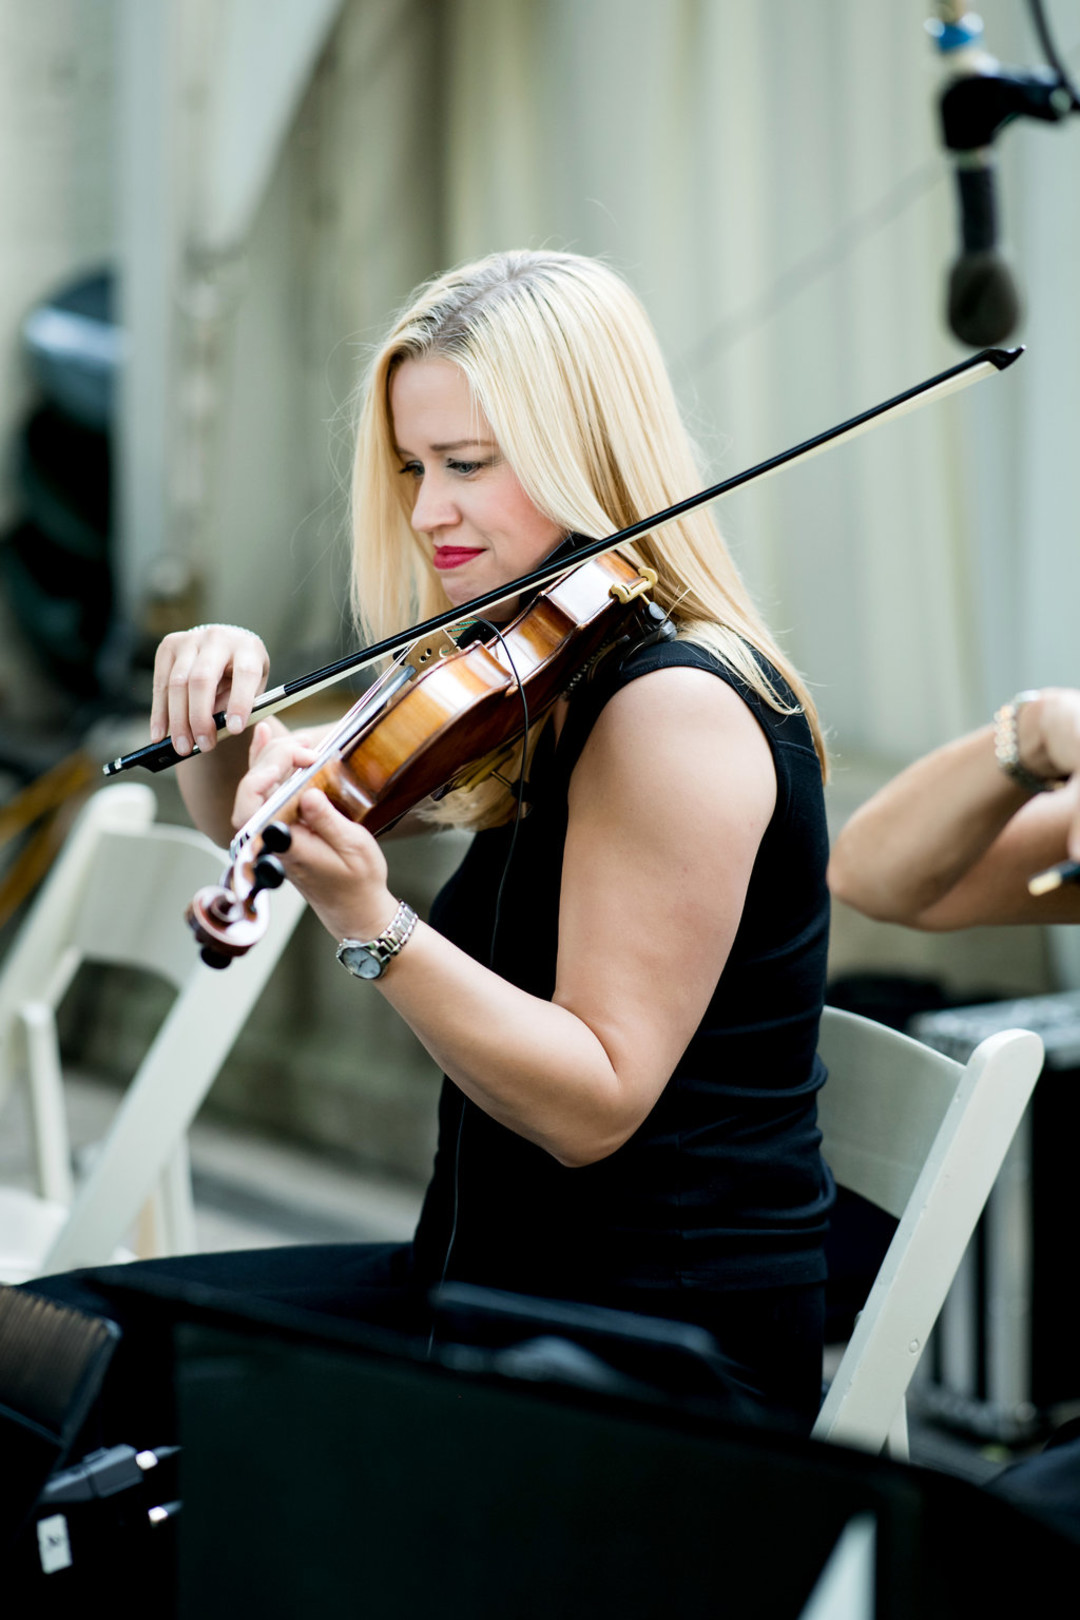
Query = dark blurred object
x=56 y=563
x=75 y=349
x=859 y=1235
x=314 y=1472
x=115 y=1509
x=887 y=998
x=524 y=1336
x=40 y=815
x=1048 y=1485
x=52 y=1362
x=1004 y=1353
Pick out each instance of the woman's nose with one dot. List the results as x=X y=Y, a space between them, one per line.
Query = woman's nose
x=433 y=508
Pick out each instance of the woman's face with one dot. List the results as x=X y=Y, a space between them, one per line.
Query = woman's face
x=467 y=500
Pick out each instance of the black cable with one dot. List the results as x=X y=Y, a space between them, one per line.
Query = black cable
x=520 y=788
x=1042 y=28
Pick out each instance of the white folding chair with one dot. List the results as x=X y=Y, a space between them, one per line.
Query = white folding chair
x=922 y=1137
x=117 y=894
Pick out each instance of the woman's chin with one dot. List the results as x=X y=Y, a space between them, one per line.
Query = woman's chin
x=458 y=591
x=466 y=583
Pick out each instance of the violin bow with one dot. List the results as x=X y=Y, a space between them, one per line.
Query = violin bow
x=159 y=756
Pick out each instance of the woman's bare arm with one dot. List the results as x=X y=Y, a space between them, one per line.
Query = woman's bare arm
x=668 y=805
x=952 y=841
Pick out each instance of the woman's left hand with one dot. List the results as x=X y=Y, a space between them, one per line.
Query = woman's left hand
x=334 y=862
x=340 y=870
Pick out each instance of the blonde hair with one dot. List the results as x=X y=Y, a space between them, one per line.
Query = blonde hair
x=563 y=362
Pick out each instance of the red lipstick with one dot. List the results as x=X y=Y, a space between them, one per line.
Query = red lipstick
x=447 y=557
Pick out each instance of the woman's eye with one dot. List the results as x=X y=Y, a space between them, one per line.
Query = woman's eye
x=465 y=467
x=412 y=469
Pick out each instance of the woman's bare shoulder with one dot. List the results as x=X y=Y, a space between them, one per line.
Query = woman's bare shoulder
x=675 y=726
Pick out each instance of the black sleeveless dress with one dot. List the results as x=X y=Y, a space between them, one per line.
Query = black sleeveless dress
x=722 y=1188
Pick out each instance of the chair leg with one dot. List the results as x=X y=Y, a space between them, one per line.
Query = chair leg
x=896 y=1445
x=47 y=1112
x=179 y=1207
x=166 y=1223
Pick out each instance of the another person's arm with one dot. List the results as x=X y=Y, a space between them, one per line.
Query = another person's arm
x=953 y=840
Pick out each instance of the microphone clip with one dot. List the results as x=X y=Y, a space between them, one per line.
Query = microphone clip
x=975 y=106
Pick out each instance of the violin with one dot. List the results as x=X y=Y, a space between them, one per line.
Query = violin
x=443 y=717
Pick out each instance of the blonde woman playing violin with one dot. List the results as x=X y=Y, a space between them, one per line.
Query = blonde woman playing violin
x=623 y=985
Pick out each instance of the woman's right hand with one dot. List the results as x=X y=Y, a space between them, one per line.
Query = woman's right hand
x=197 y=674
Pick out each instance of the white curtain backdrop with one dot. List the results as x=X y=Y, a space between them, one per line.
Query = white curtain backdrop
x=770 y=180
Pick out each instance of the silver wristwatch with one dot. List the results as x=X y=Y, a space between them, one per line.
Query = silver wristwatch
x=370 y=958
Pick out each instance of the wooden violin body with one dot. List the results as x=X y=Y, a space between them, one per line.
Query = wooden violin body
x=452 y=713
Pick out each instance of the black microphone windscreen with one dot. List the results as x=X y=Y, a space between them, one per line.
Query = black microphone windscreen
x=984 y=304
x=978 y=207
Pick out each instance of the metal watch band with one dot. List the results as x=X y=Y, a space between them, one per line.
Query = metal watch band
x=369 y=958
x=1007 y=746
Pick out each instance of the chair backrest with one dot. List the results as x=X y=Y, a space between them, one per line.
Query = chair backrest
x=43 y=958
x=922 y=1137
x=117 y=894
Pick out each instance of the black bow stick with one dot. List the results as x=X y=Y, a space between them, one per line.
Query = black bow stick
x=158 y=756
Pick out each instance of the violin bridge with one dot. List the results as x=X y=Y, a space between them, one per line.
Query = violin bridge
x=422 y=654
x=639 y=587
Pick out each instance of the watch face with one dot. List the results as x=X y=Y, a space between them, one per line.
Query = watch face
x=360 y=962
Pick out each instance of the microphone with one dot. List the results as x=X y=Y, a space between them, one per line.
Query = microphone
x=980 y=96
x=983 y=302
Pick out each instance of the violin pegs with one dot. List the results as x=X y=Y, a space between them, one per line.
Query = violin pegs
x=269 y=873
x=276 y=838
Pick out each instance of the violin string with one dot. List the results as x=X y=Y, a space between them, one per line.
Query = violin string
x=456 y=1201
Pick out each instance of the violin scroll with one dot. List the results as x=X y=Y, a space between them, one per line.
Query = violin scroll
x=229 y=919
x=225 y=925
